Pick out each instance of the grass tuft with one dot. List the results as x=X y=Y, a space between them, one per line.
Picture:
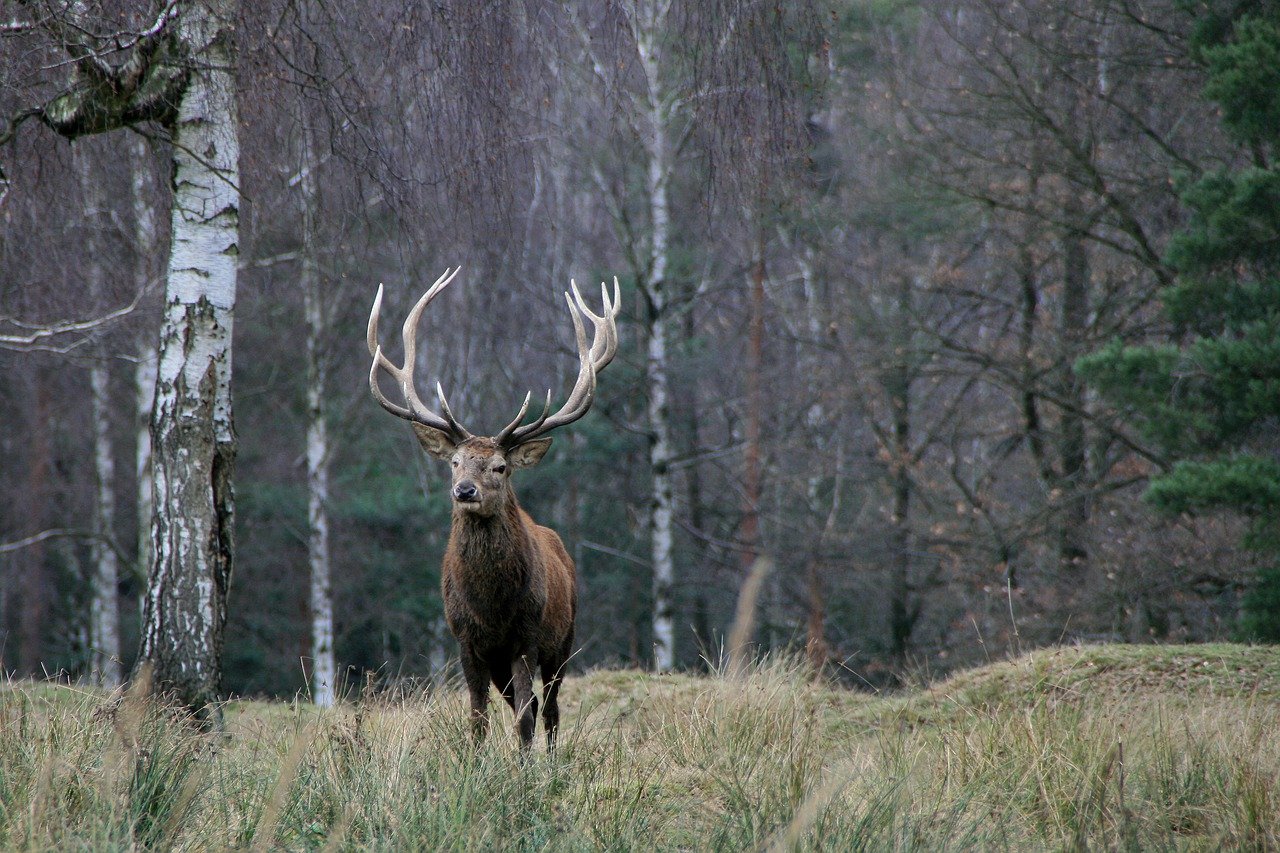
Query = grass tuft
x=1096 y=747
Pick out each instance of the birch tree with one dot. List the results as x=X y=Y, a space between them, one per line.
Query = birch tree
x=174 y=71
x=648 y=22
x=653 y=116
x=104 y=630
x=193 y=443
x=322 y=657
x=712 y=72
x=142 y=195
x=104 y=619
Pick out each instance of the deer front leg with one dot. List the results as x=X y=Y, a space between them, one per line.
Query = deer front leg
x=476 y=673
x=526 y=706
x=552 y=675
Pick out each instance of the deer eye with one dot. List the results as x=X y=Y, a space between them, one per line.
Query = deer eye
x=499 y=469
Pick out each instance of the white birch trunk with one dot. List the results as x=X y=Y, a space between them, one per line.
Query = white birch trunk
x=144 y=392
x=104 y=623
x=648 y=24
x=193 y=442
x=663 y=502
x=440 y=645
x=104 y=608
x=322 y=658
x=144 y=374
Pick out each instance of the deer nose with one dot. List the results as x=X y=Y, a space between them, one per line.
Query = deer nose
x=465 y=491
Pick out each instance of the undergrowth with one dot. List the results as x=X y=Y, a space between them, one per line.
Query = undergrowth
x=1098 y=747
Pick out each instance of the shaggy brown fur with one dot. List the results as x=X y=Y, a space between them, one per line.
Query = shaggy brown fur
x=509 y=584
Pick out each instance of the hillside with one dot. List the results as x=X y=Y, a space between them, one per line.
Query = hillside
x=1103 y=674
x=1106 y=746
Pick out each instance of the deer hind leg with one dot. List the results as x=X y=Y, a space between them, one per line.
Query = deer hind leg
x=503 y=678
x=552 y=675
x=476 y=674
x=500 y=669
x=525 y=704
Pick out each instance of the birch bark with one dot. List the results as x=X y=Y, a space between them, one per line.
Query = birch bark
x=816 y=649
x=144 y=374
x=650 y=116
x=322 y=658
x=104 y=622
x=193 y=443
x=648 y=22
x=104 y=609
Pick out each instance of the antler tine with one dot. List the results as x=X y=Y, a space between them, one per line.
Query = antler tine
x=380 y=360
x=586 y=357
x=546 y=410
x=371 y=335
x=455 y=427
x=416 y=410
x=409 y=332
x=591 y=360
x=585 y=385
x=604 y=346
x=524 y=409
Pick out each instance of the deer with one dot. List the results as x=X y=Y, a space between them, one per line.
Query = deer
x=508 y=584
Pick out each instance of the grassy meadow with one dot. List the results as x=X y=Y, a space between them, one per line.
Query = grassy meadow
x=1102 y=747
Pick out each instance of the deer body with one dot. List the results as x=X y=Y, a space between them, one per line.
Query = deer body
x=509 y=589
x=508 y=584
x=512 y=568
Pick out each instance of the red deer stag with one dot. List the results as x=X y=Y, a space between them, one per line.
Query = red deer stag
x=508 y=583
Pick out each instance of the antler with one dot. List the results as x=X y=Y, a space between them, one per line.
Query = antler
x=416 y=410
x=604 y=345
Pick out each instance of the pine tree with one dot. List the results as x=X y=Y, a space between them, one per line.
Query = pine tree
x=1211 y=398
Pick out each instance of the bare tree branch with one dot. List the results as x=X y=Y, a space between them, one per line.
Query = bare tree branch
x=33 y=340
x=66 y=533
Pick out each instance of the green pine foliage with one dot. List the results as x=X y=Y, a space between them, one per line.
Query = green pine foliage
x=1245 y=483
x=1244 y=75
x=1261 y=622
x=1211 y=400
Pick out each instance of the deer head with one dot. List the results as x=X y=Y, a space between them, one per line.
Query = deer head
x=481 y=465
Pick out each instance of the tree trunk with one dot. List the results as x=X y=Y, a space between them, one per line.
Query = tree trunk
x=749 y=527
x=322 y=658
x=191 y=429
x=441 y=645
x=816 y=638
x=662 y=515
x=144 y=373
x=901 y=618
x=144 y=392
x=657 y=176
x=897 y=385
x=104 y=608
x=1072 y=531
x=701 y=611
x=34 y=588
x=1028 y=320
x=749 y=530
x=104 y=623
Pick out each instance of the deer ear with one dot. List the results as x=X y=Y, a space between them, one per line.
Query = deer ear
x=435 y=442
x=528 y=454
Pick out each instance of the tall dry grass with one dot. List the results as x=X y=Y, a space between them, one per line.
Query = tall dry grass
x=1022 y=756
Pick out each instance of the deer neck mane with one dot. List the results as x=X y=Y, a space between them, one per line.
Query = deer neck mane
x=495 y=545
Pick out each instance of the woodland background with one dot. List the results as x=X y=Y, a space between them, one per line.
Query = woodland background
x=873 y=238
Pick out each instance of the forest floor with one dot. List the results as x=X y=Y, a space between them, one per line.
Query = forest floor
x=1124 y=747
